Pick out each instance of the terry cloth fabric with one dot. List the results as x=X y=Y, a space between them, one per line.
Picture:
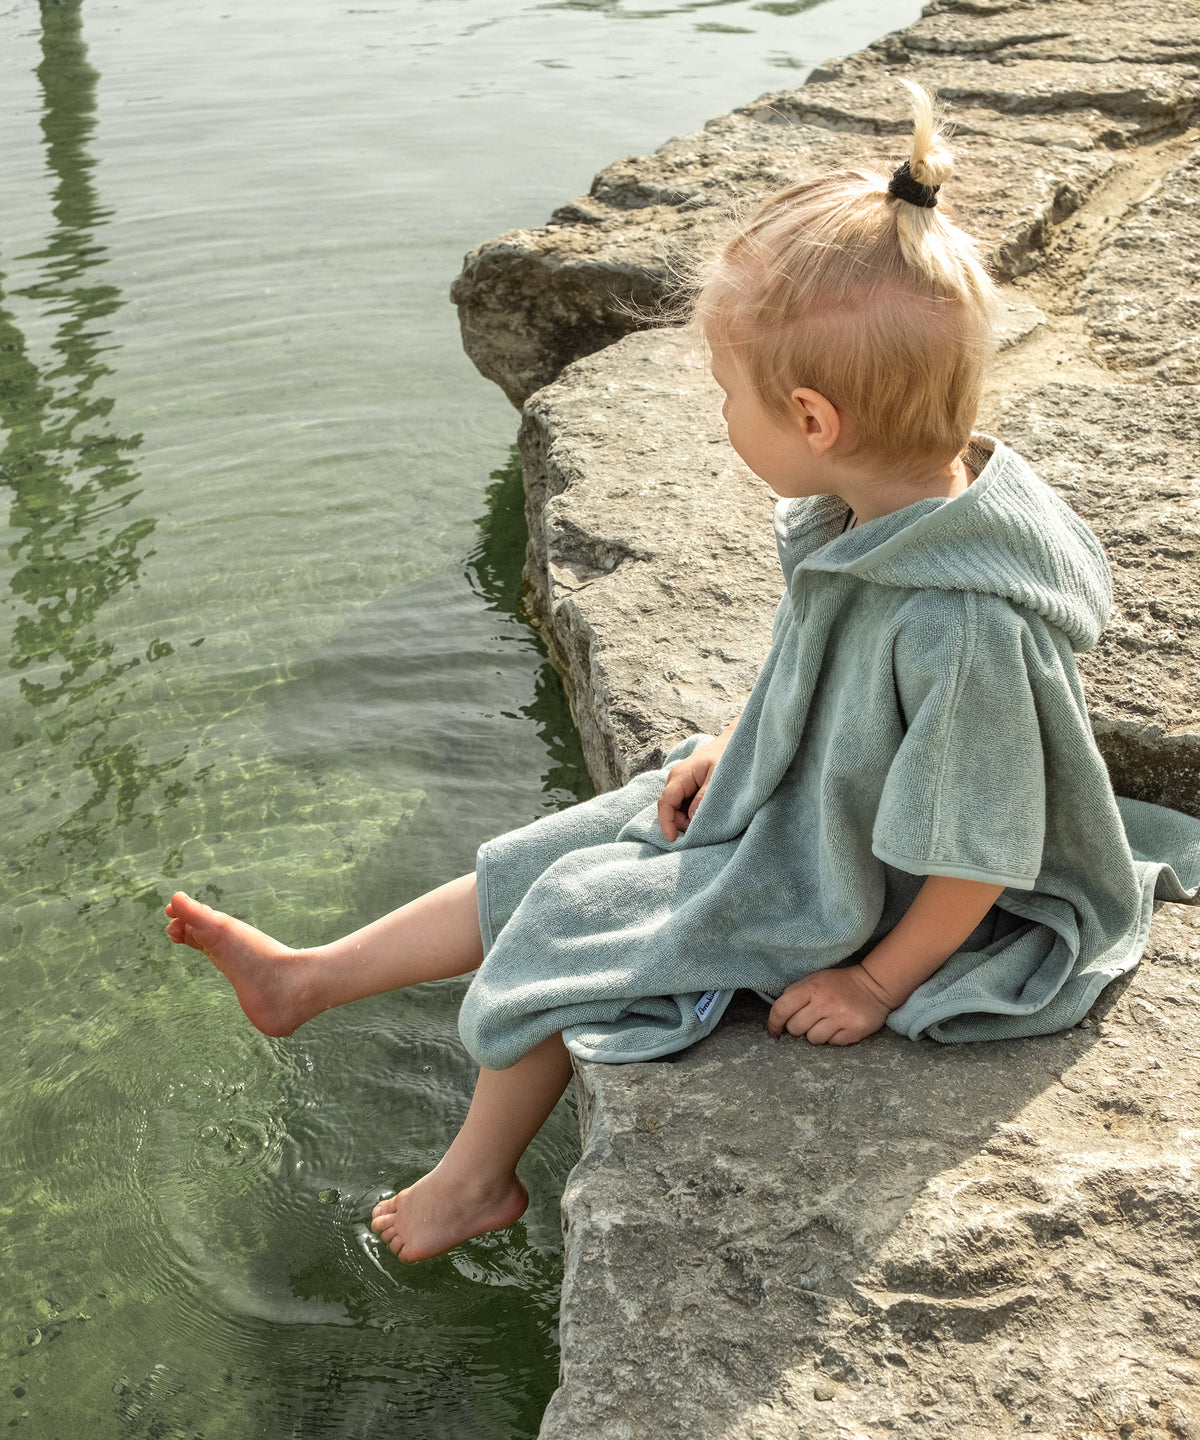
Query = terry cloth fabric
x=919 y=713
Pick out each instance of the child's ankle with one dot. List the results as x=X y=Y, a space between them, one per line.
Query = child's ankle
x=475 y=1187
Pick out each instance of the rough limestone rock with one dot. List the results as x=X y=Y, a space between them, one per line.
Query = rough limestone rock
x=1142 y=298
x=1047 y=99
x=767 y=1239
x=1113 y=74
x=651 y=573
x=1127 y=458
x=1046 y=102
x=1081 y=32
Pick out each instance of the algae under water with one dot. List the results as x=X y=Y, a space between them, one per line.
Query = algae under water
x=263 y=557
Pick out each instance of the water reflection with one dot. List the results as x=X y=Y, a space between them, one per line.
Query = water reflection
x=67 y=473
x=81 y=539
x=494 y=569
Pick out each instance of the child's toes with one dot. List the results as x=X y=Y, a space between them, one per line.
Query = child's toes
x=383 y=1218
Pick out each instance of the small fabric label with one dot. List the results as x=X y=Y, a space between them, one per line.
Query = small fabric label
x=706 y=1003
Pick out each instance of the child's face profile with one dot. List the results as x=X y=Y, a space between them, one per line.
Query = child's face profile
x=778 y=450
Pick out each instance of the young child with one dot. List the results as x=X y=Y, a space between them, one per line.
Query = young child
x=909 y=824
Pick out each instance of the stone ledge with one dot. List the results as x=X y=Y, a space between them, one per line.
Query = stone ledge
x=1048 y=99
x=766 y=1240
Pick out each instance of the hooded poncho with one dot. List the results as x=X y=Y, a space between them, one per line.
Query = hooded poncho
x=919 y=713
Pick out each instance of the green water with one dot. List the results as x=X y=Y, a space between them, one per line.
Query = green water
x=263 y=576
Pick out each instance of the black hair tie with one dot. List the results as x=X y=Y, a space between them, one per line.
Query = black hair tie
x=904 y=187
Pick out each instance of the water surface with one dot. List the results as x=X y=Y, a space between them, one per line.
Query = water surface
x=262 y=611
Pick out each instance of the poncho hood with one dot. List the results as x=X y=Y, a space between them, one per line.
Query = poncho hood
x=1007 y=534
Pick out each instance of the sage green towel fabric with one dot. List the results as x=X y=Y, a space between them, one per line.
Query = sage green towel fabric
x=919 y=714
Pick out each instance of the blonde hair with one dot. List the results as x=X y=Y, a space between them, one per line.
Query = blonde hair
x=879 y=304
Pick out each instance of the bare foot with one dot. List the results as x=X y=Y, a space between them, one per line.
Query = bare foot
x=438 y=1213
x=270 y=981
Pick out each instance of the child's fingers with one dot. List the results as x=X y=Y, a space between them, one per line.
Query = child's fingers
x=819 y=1030
x=672 y=817
x=669 y=819
x=806 y=1016
x=804 y=1019
x=844 y=1037
x=674 y=792
x=784 y=1011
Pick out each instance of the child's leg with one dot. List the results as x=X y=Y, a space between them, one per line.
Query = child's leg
x=474 y=1187
x=431 y=938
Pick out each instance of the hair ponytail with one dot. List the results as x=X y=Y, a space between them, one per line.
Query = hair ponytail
x=921 y=232
x=861 y=288
x=930 y=163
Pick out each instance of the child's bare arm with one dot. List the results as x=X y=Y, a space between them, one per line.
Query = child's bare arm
x=687 y=782
x=838 y=1007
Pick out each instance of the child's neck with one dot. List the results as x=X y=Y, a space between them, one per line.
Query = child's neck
x=871 y=493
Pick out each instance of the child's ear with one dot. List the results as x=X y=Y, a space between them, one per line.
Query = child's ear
x=818 y=418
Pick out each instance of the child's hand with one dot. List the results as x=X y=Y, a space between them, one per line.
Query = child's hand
x=686 y=785
x=831 y=1007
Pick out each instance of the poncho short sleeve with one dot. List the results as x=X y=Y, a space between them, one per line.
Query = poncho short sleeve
x=965 y=794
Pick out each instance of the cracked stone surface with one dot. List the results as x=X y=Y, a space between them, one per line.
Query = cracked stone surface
x=773 y=1240
x=767 y=1239
x=1081 y=32
x=1110 y=103
x=1142 y=298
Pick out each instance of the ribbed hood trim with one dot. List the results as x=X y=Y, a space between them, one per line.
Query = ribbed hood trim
x=1008 y=534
